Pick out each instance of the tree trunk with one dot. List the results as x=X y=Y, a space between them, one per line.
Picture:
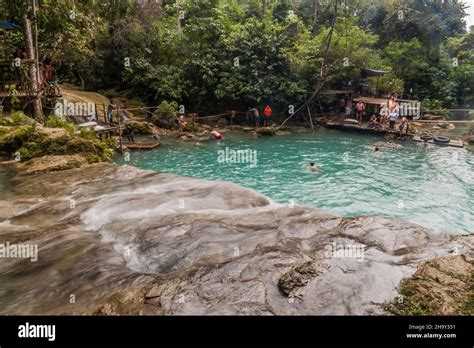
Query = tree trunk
x=264 y=8
x=33 y=72
x=179 y=17
x=316 y=13
x=310 y=117
x=324 y=73
x=83 y=82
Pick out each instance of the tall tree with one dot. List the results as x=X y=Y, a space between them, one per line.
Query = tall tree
x=33 y=66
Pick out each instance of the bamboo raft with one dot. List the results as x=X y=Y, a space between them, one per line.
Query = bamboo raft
x=142 y=146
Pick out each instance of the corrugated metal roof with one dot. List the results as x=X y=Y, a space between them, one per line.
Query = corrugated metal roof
x=370 y=100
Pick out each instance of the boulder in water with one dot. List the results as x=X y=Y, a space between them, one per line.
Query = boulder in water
x=266 y=131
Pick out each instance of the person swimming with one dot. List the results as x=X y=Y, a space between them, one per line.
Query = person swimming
x=216 y=135
x=313 y=167
x=376 y=151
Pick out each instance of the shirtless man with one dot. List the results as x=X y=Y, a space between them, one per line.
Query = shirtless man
x=312 y=167
x=360 y=109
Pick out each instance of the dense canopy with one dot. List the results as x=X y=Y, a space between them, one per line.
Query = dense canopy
x=211 y=55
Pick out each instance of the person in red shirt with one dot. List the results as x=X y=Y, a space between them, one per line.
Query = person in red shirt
x=216 y=135
x=268 y=113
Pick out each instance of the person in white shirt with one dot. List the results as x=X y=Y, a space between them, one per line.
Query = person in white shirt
x=392 y=117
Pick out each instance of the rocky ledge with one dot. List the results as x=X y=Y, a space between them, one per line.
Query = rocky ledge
x=119 y=240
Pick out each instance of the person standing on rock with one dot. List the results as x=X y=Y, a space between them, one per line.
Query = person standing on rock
x=257 y=117
x=128 y=133
x=348 y=107
x=182 y=123
x=110 y=114
x=392 y=117
x=342 y=105
x=248 y=116
x=404 y=127
x=360 y=110
x=268 y=114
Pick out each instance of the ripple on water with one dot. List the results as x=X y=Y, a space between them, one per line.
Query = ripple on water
x=432 y=186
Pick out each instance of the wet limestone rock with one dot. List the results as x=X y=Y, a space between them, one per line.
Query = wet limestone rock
x=298 y=277
x=47 y=163
x=140 y=242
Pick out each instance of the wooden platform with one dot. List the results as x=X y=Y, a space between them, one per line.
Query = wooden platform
x=360 y=129
x=452 y=143
x=142 y=146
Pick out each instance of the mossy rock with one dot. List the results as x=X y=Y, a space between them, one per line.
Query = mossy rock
x=14 y=140
x=266 y=131
x=142 y=127
x=31 y=143
x=165 y=115
x=54 y=163
x=58 y=122
x=442 y=286
x=18 y=118
x=4 y=130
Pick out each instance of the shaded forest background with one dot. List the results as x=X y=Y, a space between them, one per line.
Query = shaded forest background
x=211 y=55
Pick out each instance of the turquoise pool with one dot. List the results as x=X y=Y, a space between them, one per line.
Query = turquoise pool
x=431 y=186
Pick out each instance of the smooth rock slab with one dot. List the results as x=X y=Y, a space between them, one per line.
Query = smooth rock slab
x=139 y=242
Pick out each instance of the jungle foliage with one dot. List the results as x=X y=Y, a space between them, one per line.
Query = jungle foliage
x=210 y=55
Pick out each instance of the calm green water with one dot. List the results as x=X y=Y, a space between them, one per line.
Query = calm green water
x=431 y=186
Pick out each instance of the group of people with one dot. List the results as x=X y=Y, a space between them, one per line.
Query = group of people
x=346 y=105
x=381 y=121
x=386 y=117
x=253 y=116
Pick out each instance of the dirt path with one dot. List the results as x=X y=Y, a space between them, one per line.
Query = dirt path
x=72 y=94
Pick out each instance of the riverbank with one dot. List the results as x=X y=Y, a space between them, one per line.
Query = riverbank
x=120 y=240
